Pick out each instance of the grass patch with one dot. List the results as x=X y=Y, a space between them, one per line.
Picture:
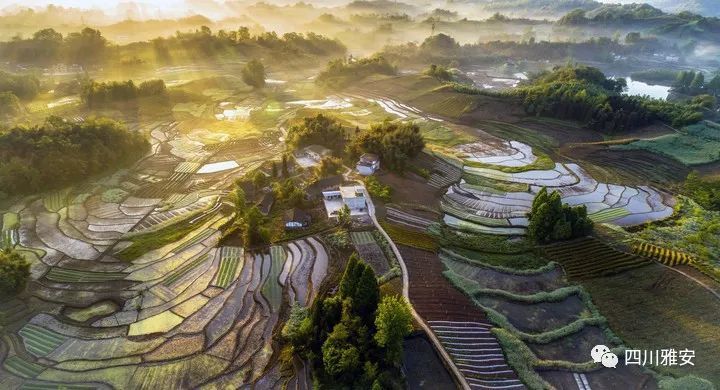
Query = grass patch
x=697 y=144
x=411 y=238
x=692 y=230
x=542 y=163
x=435 y=133
x=653 y=308
x=114 y=195
x=515 y=264
x=485 y=243
x=157 y=239
x=495 y=185
x=503 y=130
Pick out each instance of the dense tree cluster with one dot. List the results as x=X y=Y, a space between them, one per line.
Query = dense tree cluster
x=9 y=105
x=318 y=130
x=48 y=47
x=96 y=94
x=353 y=339
x=14 y=272
x=441 y=48
x=584 y=93
x=395 y=143
x=341 y=72
x=58 y=153
x=203 y=44
x=253 y=74
x=24 y=87
x=551 y=220
x=694 y=83
x=440 y=72
x=89 y=48
x=705 y=192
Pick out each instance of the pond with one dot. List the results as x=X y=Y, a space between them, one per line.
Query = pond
x=638 y=88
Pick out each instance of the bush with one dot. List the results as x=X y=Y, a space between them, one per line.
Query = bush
x=14 y=272
x=340 y=73
x=253 y=74
x=689 y=382
x=377 y=189
x=9 y=104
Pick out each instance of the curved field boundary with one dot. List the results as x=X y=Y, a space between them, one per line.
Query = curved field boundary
x=40 y=341
x=65 y=275
x=272 y=289
x=22 y=367
x=182 y=271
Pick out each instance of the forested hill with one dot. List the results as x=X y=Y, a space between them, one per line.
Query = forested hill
x=584 y=93
x=59 y=153
x=644 y=16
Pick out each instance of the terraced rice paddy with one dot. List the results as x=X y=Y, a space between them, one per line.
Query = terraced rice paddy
x=65 y=275
x=589 y=257
x=182 y=312
x=481 y=209
x=230 y=259
x=39 y=341
x=22 y=367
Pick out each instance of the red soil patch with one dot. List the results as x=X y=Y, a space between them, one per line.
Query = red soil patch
x=432 y=295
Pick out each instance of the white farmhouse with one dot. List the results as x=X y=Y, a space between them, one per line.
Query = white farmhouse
x=368 y=164
x=351 y=196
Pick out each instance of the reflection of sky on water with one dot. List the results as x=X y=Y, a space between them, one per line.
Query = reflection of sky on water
x=641 y=89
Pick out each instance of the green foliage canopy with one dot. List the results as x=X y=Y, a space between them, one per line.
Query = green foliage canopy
x=550 y=220
x=14 y=272
x=58 y=153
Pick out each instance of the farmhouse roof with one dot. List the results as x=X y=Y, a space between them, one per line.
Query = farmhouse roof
x=352 y=192
x=368 y=159
x=317 y=149
x=316 y=188
x=297 y=215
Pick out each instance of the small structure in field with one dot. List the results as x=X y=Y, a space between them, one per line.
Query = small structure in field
x=297 y=219
x=368 y=164
x=311 y=156
x=351 y=196
x=267 y=202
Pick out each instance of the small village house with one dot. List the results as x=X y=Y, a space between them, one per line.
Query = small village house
x=368 y=164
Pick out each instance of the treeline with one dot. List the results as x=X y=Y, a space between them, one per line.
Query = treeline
x=584 y=93
x=96 y=94
x=442 y=48
x=341 y=72
x=24 y=87
x=59 y=153
x=203 y=44
x=47 y=47
x=694 y=83
x=353 y=339
x=88 y=47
